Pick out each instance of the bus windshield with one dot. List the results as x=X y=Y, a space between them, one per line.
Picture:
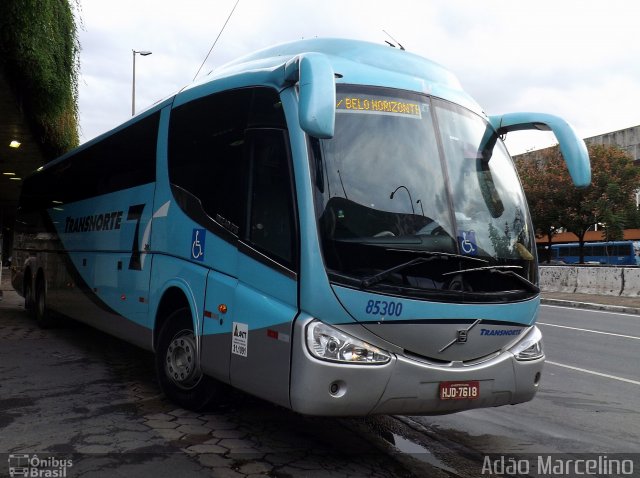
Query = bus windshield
x=409 y=176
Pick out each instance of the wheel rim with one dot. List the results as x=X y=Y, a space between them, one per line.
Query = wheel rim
x=181 y=364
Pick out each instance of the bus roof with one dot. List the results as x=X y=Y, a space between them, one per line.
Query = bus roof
x=354 y=62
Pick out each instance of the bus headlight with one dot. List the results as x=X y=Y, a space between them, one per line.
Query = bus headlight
x=326 y=343
x=530 y=348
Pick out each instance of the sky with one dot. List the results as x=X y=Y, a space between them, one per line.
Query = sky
x=578 y=59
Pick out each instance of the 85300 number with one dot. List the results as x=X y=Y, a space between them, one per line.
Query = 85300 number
x=383 y=307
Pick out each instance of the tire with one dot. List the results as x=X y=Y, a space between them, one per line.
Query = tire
x=177 y=364
x=29 y=298
x=41 y=313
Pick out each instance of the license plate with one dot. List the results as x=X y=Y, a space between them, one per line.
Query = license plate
x=468 y=390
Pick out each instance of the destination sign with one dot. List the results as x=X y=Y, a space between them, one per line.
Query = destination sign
x=374 y=105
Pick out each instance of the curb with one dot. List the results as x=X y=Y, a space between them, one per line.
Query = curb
x=620 y=309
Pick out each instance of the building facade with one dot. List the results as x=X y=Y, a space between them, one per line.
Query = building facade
x=627 y=139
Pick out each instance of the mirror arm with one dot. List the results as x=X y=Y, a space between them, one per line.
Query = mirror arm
x=572 y=147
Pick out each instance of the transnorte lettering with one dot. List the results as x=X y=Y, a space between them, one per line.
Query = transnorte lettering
x=98 y=222
x=500 y=332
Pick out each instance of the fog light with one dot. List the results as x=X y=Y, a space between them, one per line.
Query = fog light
x=536 y=379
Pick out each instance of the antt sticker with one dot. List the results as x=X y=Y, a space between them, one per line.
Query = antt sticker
x=240 y=339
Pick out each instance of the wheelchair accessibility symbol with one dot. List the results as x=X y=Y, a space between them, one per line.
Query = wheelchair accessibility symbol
x=197 y=244
x=467 y=242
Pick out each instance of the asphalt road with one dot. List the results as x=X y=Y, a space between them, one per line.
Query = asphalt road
x=589 y=397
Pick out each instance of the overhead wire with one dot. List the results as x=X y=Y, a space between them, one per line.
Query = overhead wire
x=216 y=40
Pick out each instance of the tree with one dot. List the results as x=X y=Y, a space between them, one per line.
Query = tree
x=544 y=178
x=40 y=57
x=609 y=200
x=614 y=179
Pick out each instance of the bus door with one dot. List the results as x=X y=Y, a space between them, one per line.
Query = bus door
x=266 y=295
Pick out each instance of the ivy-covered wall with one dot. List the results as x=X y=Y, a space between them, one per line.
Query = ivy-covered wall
x=39 y=56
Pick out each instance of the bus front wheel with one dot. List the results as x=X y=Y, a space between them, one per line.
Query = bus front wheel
x=177 y=364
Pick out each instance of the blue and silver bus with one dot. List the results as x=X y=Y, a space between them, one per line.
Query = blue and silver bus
x=331 y=225
x=617 y=253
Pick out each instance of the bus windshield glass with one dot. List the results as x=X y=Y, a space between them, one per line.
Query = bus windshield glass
x=409 y=176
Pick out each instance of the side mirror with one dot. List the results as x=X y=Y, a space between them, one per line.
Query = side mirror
x=572 y=147
x=317 y=105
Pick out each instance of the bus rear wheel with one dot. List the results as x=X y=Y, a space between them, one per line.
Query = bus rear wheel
x=178 y=364
x=29 y=297
x=41 y=313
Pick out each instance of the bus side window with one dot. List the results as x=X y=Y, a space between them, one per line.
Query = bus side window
x=205 y=152
x=207 y=149
x=270 y=225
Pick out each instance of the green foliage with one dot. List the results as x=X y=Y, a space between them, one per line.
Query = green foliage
x=500 y=241
x=39 y=51
x=610 y=196
x=555 y=203
x=544 y=180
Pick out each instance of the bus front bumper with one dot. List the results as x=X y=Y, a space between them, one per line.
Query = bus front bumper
x=403 y=385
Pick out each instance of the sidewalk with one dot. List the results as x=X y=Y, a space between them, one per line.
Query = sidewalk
x=612 y=303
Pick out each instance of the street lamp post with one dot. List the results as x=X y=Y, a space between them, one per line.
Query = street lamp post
x=133 y=88
x=410 y=198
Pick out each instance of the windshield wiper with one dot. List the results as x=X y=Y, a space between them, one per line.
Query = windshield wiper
x=502 y=270
x=380 y=276
x=443 y=255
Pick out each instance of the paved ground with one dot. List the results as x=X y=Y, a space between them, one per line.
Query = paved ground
x=73 y=393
